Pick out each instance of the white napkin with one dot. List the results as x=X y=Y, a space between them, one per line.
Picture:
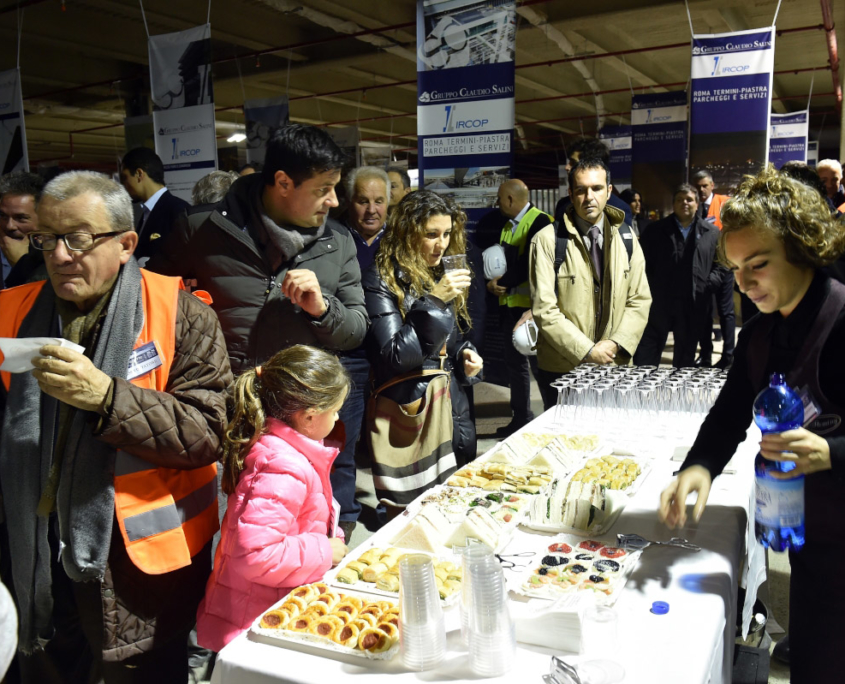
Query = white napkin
x=18 y=352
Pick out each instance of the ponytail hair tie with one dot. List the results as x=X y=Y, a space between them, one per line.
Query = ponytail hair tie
x=258 y=371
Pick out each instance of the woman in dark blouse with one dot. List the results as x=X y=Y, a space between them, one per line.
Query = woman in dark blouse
x=777 y=235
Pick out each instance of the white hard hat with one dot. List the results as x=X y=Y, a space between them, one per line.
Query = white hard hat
x=525 y=338
x=495 y=265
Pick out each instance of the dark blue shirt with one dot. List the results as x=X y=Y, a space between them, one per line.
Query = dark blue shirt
x=366 y=253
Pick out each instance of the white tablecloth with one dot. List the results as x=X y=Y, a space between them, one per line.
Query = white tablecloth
x=692 y=643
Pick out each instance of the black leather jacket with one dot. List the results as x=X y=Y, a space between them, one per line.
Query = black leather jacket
x=396 y=346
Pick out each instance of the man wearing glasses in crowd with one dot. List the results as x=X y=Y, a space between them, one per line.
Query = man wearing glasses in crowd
x=107 y=457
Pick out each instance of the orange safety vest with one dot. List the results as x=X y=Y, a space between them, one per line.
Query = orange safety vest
x=715 y=209
x=166 y=515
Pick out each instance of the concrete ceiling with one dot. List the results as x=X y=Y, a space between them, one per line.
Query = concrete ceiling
x=84 y=64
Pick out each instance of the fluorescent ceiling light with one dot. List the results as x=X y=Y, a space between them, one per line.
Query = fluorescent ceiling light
x=236 y=138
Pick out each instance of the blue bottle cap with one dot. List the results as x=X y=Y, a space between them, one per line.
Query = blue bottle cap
x=660 y=607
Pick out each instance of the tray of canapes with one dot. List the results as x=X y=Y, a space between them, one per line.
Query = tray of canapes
x=316 y=618
x=502 y=477
x=570 y=564
x=376 y=571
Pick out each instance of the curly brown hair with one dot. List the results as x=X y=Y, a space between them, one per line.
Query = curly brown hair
x=794 y=212
x=299 y=377
x=402 y=243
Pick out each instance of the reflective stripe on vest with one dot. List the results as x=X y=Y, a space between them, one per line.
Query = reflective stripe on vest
x=166 y=516
x=521 y=294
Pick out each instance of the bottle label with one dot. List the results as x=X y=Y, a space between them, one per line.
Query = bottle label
x=780 y=503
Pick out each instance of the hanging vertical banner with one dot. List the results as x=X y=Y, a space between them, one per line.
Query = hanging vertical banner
x=13 y=152
x=465 y=99
x=263 y=118
x=659 y=147
x=347 y=139
x=813 y=153
x=730 y=104
x=788 y=138
x=618 y=140
x=183 y=107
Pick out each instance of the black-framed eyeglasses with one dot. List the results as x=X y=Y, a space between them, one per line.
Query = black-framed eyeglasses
x=75 y=242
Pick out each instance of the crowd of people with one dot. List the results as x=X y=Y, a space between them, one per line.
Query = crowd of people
x=241 y=339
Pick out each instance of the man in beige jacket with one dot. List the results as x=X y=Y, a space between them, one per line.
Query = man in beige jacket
x=595 y=307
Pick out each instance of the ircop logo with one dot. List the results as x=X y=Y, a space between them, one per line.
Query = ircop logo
x=453 y=123
x=425 y=97
x=728 y=69
x=179 y=154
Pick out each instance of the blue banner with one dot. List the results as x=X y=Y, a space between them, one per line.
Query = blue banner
x=730 y=102
x=788 y=137
x=618 y=140
x=658 y=148
x=465 y=99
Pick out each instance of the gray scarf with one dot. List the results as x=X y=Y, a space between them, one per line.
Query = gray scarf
x=287 y=241
x=85 y=501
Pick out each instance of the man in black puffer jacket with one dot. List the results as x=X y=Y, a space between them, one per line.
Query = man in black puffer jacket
x=279 y=271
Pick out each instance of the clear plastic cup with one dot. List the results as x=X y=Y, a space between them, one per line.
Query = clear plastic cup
x=599 y=637
x=454 y=262
x=422 y=630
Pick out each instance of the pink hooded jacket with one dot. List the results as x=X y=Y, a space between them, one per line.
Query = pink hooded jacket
x=274 y=534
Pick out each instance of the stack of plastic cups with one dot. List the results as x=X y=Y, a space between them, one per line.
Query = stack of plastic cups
x=422 y=630
x=492 y=636
x=473 y=552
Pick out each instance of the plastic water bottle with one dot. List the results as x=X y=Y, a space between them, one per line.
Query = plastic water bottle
x=779 y=513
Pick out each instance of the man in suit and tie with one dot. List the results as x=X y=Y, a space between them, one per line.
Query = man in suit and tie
x=591 y=302
x=142 y=174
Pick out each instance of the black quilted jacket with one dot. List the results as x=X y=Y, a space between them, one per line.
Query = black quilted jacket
x=396 y=346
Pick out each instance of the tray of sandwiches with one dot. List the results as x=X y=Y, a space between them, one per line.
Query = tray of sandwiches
x=560 y=453
x=375 y=570
x=316 y=619
x=590 y=501
x=570 y=565
x=433 y=531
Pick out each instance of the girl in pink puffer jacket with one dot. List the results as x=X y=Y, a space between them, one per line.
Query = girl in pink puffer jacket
x=280 y=529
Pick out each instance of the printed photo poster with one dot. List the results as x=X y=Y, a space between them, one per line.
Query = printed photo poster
x=465 y=100
x=618 y=141
x=183 y=107
x=659 y=147
x=788 y=137
x=13 y=152
x=263 y=118
x=731 y=97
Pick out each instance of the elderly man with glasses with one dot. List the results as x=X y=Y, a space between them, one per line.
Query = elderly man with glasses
x=107 y=457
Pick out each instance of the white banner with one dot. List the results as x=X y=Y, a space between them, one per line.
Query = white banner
x=183 y=107
x=13 y=153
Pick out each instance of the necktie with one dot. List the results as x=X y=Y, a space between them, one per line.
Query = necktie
x=702 y=210
x=595 y=250
x=145 y=214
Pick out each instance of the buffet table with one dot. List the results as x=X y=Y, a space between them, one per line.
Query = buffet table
x=692 y=643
